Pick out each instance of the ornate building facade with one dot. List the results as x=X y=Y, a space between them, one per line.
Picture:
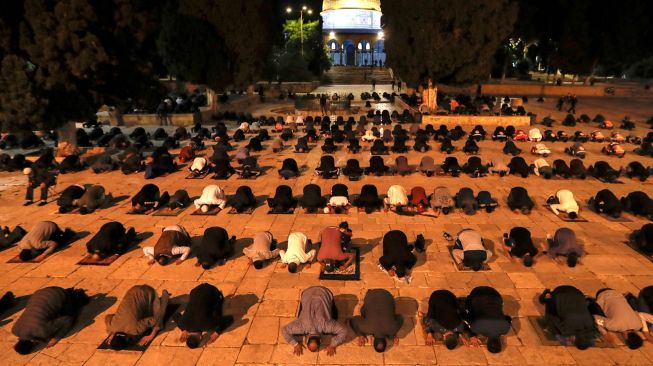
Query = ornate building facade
x=352 y=32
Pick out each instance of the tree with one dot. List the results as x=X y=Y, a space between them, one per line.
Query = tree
x=448 y=41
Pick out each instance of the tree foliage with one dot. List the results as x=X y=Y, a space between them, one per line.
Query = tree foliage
x=446 y=40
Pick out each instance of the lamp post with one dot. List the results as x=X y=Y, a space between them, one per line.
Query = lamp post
x=301 y=22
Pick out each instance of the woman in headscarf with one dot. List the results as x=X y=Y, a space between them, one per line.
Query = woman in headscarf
x=212 y=196
x=397 y=198
x=215 y=248
x=352 y=169
x=377 y=166
x=243 y=199
x=312 y=199
x=401 y=166
x=327 y=168
x=282 y=200
x=369 y=199
x=289 y=168
x=398 y=258
x=339 y=199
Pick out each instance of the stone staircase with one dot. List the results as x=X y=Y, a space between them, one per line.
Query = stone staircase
x=350 y=75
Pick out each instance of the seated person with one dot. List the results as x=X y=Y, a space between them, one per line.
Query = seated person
x=564 y=201
x=302 y=145
x=111 y=239
x=378 y=318
x=619 y=316
x=379 y=148
x=577 y=169
x=636 y=169
x=148 y=198
x=485 y=317
x=643 y=239
x=131 y=161
x=606 y=202
x=199 y=167
x=289 y=169
x=419 y=202
x=474 y=167
x=567 y=316
x=282 y=201
x=451 y=166
x=396 y=199
x=352 y=169
x=339 y=199
x=564 y=243
x=330 y=255
x=215 y=248
x=519 y=244
x=243 y=200
x=427 y=166
x=485 y=200
x=510 y=148
x=93 y=198
x=469 y=249
x=639 y=204
x=542 y=167
x=296 y=253
x=204 y=313
x=174 y=241
x=518 y=166
x=470 y=146
x=377 y=166
x=398 y=258
x=317 y=316
x=312 y=199
x=561 y=169
x=327 y=168
x=140 y=312
x=48 y=316
x=444 y=317
x=518 y=199
x=329 y=146
x=441 y=199
x=11 y=237
x=369 y=199
x=41 y=178
x=222 y=168
x=601 y=170
x=67 y=200
x=263 y=248
x=42 y=240
x=354 y=147
x=401 y=166
x=465 y=199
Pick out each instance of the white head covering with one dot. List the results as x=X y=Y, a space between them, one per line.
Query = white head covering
x=296 y=252
x=211 y=195
x=397 y=195
x=198 y=164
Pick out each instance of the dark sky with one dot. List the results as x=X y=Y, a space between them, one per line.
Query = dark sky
x=281 y=16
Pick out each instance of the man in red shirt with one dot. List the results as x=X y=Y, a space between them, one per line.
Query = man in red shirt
x=331 y=255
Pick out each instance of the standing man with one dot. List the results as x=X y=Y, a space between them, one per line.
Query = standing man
x=378 y=318
x=393 y=84
x=38 y=177
x=317 y=316
x=323 y=103
x=373 y=83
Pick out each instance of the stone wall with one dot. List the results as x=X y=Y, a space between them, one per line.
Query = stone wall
x=517 y=121
x=183 y=119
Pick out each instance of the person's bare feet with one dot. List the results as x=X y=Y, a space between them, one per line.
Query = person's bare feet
x=395 y=341
x=151 y=262
x=214 y=337
x=362 y=340
x=429 y=339
x=53 y=342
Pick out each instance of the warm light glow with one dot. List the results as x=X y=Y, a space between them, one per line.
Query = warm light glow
x=332 y=35
x=360 y=46
x=381 y=35
x=333 y=46
x=288 y=10
x=367 y=46
x=310 y=11
x=304 y=7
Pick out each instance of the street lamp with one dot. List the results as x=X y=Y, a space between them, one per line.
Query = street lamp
x=301 y=22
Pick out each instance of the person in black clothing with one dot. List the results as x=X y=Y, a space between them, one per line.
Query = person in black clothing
x=485 y=316
x=421 y=141
x=131 y=161
x=369 y=199
x=451 y=166
x=249 y=168
x=639 y=203
x=323 y=104
x=645 y=300
x=203 y=313
x=566 y=315
x=312 y=199
x=601 y=170
x=354 y=146
x=518 y=166
x=509 y=148
x=112 y=238
x=561 y=169
x=282 y=200
x=243 y=200
x=444 y=316
x=353 y=170
x=577 y=169
x=255 y=144
x=302 y=145
x=377 y=166
x=643 y=239
x=606 y=202
x=378 y=318
x=637 y=169
x=378 y=147
x=149 y=198
x=329 y=146
x=162 y=163
x=71 y=163
x=215 y=247
x=327 y=168
x=222 y=168
x=398 y=258
x=474 y=167
x=446 y=146
x=465 y=199
x=68 y=198
x=38 y=177
x=470 y=146
x=518 y=199
x=519 y=244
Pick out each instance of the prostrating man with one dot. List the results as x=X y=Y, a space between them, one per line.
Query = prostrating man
x=518 y=199
x=378 y=318
x=216 y=247
x=606 y=202
x=444 y=317
x=93 y=198
x=469 y=249
x=317 y=316
x=148 y=198
x=331 y=256
x=11 y=237
x=398 y=258
x=174 y=241
x=68 y=198
x=112 y=238
x=49 y=314
x=564 y=243
x=212 y=196
x=141 y=311
x=42 y=240
x=264 y=247
x=619 y=316
x=296 y=253
x=204 y=313
x=485 y=317
x=518 y=243
x=567 y=316
x=564 y=201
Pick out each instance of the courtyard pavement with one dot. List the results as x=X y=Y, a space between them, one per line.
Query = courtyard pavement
x=265 y=300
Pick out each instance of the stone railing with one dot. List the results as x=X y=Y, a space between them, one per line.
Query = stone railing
x=517 y=121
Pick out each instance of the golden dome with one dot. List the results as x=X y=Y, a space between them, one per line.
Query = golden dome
x=351 y=4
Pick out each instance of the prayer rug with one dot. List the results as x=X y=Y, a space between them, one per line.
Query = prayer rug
x=233 y=211
x=621 y=218
x=198 y=176
x=79 y=235
x=564 y=217
x=351 y=273
x=166 y=212
x=212 y=212
x=461 y=267
x=289 y=211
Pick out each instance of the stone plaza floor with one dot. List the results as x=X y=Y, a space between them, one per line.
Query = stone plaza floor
x=263 y=301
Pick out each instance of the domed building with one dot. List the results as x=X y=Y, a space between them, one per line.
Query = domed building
x=352 y=32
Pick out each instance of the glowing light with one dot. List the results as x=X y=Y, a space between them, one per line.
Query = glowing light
x=288 y=10
x=304 y=8
x=310 y=11
x=381 y=34
x=332 y=35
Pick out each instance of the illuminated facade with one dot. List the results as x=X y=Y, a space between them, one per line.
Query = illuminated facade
x=352 y=32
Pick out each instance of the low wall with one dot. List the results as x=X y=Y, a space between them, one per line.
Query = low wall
x=294 y=87
x=183 y=119
x=516 y=121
